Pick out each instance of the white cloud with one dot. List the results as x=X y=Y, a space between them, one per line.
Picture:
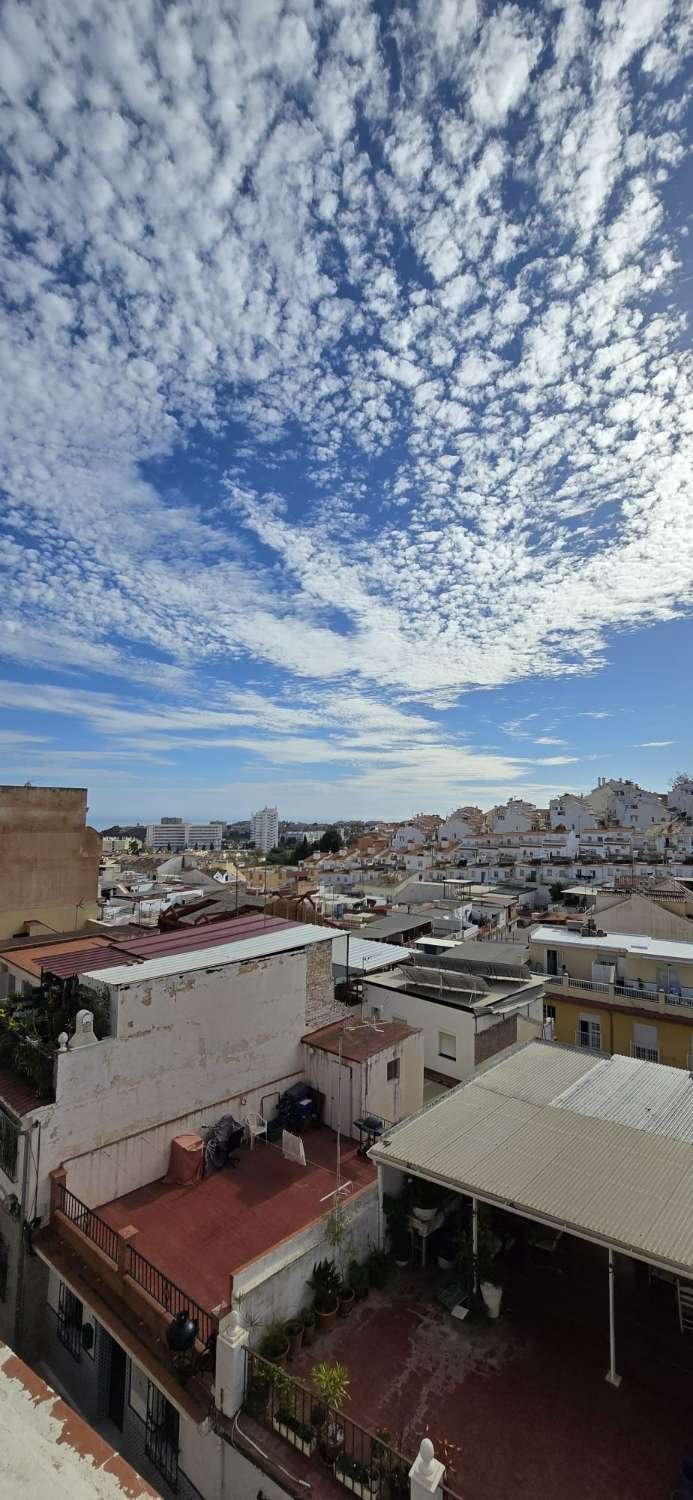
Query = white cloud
x=654 y=744
x=465 y=427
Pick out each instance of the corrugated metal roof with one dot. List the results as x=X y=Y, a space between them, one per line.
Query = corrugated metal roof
x=294 y=935
x=154 y=944
x=602 y=1146
x=365 y=956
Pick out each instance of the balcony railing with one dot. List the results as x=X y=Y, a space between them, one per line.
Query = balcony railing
x=89 y=1223
x=631 y=990
x=170 y=1297
x=364 y=1462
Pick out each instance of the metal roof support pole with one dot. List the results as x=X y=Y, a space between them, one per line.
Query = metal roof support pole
x=611 y=1376
x=475 y=1243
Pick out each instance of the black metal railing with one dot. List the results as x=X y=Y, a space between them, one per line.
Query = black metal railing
x=170 y=1297
x=9 y=1136
x=365 y=1462
x=154 y=1282
x=89 y=1223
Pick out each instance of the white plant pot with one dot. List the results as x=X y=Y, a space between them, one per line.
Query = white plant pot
x=424 y=1214
x=293 y=1438
x=445 y=1265
x=364 y=1490
x=493 y=1296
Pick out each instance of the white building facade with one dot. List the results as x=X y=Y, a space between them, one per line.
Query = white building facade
x=265 y=829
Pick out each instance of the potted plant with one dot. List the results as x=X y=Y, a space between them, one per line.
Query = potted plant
x=379 y=1268
x=301 y=1435
x=354 y=1475
x=294 y=1332
x=486 y=1271
x=275 y=1344
x=428 y=1197
x=388 y=1468
x=309 y=1319
x=332 y=1385
x=357 y=1277
x=397 y=1210
x=347 y=1298
x=325 y=1284
x=256 y=1395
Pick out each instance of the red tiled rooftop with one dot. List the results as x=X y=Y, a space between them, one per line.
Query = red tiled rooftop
x=200 y=1235
x=359 y=1041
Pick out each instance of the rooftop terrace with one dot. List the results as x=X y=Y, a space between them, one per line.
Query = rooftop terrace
x=200 y=1235
x=520 y=1408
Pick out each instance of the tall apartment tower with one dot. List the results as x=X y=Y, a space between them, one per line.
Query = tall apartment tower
x=265 y=828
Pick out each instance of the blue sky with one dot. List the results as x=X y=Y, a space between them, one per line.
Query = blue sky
x=347 y=407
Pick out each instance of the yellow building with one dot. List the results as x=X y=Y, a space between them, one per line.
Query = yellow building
x=618 y=992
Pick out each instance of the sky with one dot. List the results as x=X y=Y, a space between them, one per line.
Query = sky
x=346 y=402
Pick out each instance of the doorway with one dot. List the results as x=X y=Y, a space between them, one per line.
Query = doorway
x=117 y=1367
x=552 y=961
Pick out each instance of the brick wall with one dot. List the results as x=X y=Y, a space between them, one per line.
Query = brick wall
x=495 y=1039
x=321 y=1006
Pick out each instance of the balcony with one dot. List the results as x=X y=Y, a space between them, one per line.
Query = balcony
x=646 y=993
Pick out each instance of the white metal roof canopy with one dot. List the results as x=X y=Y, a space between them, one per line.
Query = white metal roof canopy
x=519 y=1137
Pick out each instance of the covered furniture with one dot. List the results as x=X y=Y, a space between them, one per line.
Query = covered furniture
x=186 y=1161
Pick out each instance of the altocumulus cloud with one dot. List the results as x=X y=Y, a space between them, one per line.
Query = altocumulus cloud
x=394 y=284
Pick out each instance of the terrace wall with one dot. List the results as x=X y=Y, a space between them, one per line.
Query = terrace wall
x=273 y=1287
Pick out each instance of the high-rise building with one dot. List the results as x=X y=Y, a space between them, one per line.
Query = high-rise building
x=265 y=829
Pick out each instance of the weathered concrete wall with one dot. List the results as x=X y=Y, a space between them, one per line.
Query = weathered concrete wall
x=353 y=1089
x=273 y=1287
x=50 y=859
x=321 y=1006
x=186 y=1046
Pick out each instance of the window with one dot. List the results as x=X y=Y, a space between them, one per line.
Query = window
x=645 y=1043
x=447 y=1045
x=161 y=1439
x=590 y=1033
x=549 y=1012
x=70 y=1312
x=393 y=1069
x=8 y=1145
x=4 y=1261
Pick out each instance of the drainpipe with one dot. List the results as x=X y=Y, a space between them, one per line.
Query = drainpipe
x=23 y=1221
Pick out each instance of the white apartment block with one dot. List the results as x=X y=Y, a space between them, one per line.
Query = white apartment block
x=265 y=829
x=180 y=835
x=626 y=804
x=573 y=813
x=680 y=798
x=516 y=816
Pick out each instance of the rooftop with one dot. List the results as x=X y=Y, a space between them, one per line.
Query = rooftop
x=596 y=1146
x=267 y=936
x=519 y=1408
x=47 y=1449
x=199 y=1235
x=358 y=1039
x=620 y=942
x=471 y=990
x=33 y=956
x=364 y=955
x=397 y=922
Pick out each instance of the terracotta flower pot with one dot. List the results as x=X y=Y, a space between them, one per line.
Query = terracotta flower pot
x=347 y=1299
x=327 y=1315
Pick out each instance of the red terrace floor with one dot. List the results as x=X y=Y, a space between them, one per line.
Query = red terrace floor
x=521 y=1410
x=199 y=1235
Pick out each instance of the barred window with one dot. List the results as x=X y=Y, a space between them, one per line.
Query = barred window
x=70 y=1312
x=162 y=1435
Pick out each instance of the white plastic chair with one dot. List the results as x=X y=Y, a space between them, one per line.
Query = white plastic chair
x=255 y=1124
